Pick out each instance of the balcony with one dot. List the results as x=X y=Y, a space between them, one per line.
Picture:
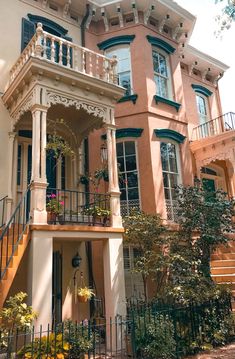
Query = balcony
x=214 y=127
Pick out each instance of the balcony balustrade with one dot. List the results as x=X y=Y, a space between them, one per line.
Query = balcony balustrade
x=56 y=50
x=214 y=127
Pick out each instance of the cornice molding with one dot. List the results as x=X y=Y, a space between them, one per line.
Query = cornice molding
x=202 y=90
x=171 y=134
x=117 y=40
x=161 y=44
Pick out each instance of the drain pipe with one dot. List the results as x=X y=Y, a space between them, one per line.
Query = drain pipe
x=88 y=244
x=83 y=25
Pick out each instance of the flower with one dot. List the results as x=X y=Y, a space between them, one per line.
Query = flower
x=54 y=204
x=85 y=292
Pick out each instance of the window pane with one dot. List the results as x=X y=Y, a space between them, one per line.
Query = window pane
x=119 y=149
x=172 y=157
x=130 y=163
x=125 y=81
x=156 y=62
x=161 y=86
x=129 y=148
x=173 y=180
x=165 y=180
x=133 y=193
x=162 y=65
x=164 y=156
x=167 y=193
x=123 y=194
x=132 y=179
x=121 y=164
x=124 y=65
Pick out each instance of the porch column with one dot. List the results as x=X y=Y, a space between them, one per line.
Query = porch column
x=9 y=199
x=38 y=183
x=116 y=219
x=114 y=287
x=40 y=277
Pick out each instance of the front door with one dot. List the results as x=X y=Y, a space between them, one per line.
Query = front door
x=57 y=288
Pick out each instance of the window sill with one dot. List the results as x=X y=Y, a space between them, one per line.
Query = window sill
x=174 y=104
x=132 y=98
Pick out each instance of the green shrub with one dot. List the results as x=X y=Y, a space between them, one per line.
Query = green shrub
x=155 y=337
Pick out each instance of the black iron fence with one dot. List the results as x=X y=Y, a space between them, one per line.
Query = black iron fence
x=88 y=208
x=149 y=331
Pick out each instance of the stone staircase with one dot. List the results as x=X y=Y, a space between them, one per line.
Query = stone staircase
x=223 y=266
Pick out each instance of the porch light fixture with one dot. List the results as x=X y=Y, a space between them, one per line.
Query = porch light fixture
x=76 y=260
x=103 y=153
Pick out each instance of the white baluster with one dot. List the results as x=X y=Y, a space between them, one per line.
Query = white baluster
x=75 y=58
x=60 y=52
x=83 y=61
x=53 y=49
x=68 y=56
x=90 y=64
x=97 y=66
x=45 y=46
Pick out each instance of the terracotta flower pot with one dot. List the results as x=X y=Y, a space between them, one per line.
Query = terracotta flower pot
x=82 y=298
x=51 y=217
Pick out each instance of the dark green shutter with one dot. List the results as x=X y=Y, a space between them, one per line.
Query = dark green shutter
x=28 y=30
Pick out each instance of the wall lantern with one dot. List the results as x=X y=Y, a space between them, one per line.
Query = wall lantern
x=103 y=153
x=76 y=260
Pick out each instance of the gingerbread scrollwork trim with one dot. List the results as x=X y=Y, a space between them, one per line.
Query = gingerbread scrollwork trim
x=26 y=106
x=97 y=111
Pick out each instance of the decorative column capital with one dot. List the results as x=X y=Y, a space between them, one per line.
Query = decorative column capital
x=38 y=107
x=12 y=135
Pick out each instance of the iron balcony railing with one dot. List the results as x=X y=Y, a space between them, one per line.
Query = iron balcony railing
x=2 y=211
x=13 y=232
x=214 y=127
x=76 y=207
x=56 y=50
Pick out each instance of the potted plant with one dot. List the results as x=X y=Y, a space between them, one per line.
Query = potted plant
x=84 y=294
x=97 y=213
x=54 y=207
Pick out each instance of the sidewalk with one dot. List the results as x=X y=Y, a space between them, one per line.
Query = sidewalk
x=227 y=352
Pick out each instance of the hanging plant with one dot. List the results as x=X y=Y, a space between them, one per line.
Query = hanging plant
x=59 y=146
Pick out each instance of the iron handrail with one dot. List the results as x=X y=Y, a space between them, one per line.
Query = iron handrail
x=13 y=232
x=2 y=203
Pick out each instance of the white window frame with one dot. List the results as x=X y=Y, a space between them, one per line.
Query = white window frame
x=203 y=119
x=168 y=78
x=127 y=206
x=113 y=51
x=169 y=203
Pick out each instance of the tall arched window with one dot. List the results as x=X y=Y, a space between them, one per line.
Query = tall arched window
x=129 y=176
x=171 y=175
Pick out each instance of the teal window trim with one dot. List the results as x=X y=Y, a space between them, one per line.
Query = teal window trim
x=49 y=23
x=163 y=45
x=126 y=132
x=117 y=40
x=170 y=134
x=202 y=90
x=174 y=104
x=132 y=98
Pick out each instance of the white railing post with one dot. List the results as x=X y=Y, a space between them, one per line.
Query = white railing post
x=39 y=38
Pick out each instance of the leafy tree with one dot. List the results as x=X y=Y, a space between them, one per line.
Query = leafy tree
x=146 y=233
x=205 y=219
x=227 y=15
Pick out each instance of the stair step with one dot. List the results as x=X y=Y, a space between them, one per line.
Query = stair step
x=222 y=270
x=223 y=256
x=224 y=278
x=222 y=263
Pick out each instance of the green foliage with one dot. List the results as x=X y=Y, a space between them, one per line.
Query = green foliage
x=205 y=219
x=226 y=17
x=96 y=211
x=54 y=204
x=16 y=313
x=58 y=146
x=154 y=338
x=51 y=346
x=147 y=233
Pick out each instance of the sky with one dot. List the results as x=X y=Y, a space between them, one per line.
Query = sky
x=223 y=49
